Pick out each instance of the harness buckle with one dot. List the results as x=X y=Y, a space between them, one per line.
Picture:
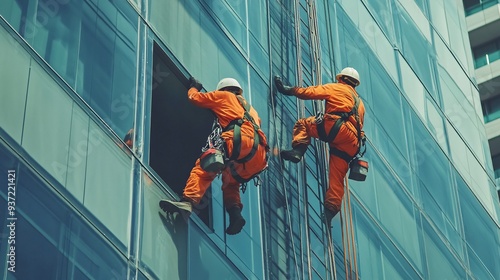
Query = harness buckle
x=243 y=187
x=320 y=116
x=257 y=181
x=345 y=115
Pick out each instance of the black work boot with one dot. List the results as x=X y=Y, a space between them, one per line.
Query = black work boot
x=328 y=216
x=294 y=155
x=236 y=221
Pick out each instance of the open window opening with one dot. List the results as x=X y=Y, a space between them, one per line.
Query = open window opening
x=179 y=129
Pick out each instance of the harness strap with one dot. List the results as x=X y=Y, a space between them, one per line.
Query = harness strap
x=335 y=129
x=242 y=180
x=235 y=125
x=341 y=154
x=344 y=116
x=237 y=176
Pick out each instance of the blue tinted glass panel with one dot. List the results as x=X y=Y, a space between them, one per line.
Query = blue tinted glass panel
x=15 y=12
x=232 y=17
x=440 y=261
x=107 y=65
x=14 y=80
x=107 y=183
x=475 y=220
x=378 y=258
x=433 y=168
x=56 y=36
x=50 y=238
x=443 y=224
x=396 y=214
x=163 y=241
x=416 y=50
x=477 y=266
x=386 y=106
x=47 y=104
x=382 y=11
x=93 y=48
x=205 y=260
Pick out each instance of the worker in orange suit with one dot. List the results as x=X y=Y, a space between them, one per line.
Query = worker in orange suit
x=341 y=127
x=245 y=150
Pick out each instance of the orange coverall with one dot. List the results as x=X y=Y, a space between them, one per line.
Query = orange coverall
x=227 y=108
x=338 y=98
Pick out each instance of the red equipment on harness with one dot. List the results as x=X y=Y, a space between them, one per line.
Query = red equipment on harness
x=358 y=169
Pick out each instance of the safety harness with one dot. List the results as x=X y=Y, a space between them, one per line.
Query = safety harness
x=344 y=116
x=235 y=125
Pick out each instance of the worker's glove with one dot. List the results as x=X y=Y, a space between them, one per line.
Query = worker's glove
x=195 y=83
x=286 y=90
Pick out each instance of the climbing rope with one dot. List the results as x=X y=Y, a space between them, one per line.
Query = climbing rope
x=348 y=237
x=289 y=216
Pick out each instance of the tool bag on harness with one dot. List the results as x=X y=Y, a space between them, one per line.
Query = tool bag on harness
x=358 y=166
x=212 y=158
x=235 y=125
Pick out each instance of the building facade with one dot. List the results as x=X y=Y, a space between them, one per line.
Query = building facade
x=483 y=22
x=76 y=77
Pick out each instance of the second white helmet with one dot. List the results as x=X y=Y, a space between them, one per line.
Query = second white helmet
x=229 y=82
x=351 y=73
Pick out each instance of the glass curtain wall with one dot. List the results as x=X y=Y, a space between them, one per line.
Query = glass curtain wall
x=92 y=45
x=88 y=67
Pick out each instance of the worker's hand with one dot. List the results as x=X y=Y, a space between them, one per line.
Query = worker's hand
x=286 y=90
x=195 y=83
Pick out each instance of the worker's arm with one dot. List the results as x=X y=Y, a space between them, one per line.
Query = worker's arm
x=205 y=100
x=315 y=92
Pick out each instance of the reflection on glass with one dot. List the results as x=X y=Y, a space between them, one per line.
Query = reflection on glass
x=475 y=220
x=108 y=183
x=48 y=229
x=441 y=263
x=205 y=260
x=14 y=80
x=163 y=241
x=377 y=256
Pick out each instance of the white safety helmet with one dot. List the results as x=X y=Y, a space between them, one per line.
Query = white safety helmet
x=351 y=73
x=229 y=82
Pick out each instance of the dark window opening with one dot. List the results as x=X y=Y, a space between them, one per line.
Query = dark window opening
x=496 y=165
x=179 y=129
x=491 y=109
x=470 y=3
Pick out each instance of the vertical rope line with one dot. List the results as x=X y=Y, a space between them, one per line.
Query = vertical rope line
x=273 y=105
x=299 y=77
x=353 y=241
x=346 y=268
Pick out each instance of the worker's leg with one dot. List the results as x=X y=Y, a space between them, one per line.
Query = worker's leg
x=232 y=201
x=197 y=184
x=241 y=171
x=337 y=171
x=231 y=176
x=303 y=130
x=230 y=190
x=346 y=141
